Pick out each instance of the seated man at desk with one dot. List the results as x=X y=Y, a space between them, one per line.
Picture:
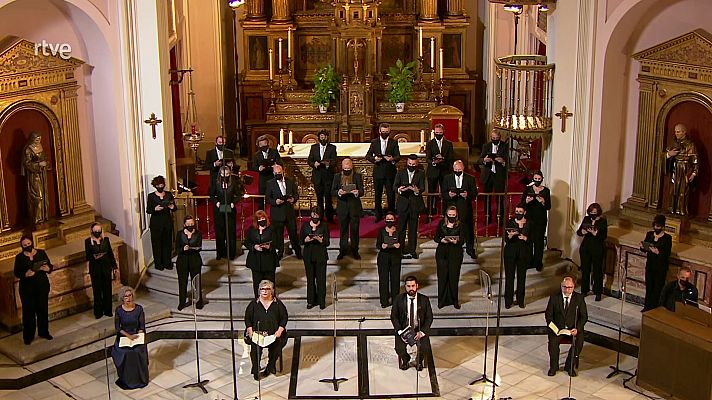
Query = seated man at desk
x=680 y=290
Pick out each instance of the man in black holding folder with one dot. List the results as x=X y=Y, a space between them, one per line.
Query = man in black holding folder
x=216 y=158
x=410 y=184
x=411 y=316
x=384 y=154
x=493 y=173
x=322 y=159
x=459 y=190
x=439 y=154
x=282 y=193
x=566 y=310
x=348 y=189
x=262 y=162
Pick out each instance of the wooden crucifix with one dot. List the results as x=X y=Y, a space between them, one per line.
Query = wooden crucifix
x=564 y=114
x=153 y=121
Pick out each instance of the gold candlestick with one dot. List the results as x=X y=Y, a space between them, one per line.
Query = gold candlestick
x=420 y=72
x=280 y=97
x=271 y=96
x=432 y=85
x=442 y=91
x=290 y=87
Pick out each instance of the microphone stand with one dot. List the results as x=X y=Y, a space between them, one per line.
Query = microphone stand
x=486 y=283
x=225 y=186
x=616 y=368
x=106 y=365
x=199 y=383
x=574 y=359
x=259 y=367
x=334 y=380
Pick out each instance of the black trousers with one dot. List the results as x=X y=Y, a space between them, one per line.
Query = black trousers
x=492 y=187
x=34 y=311
x=225 y=245
x=423 y=349
x=469 y=225
x=291 y=224
x=555 y=342
x=323 y=199
x=316 y=281
x=162 y=245
x=515 y=264
x=378 y=186
x=654 y=282
x=591 y=264
x=185 y=269
x=258 y=276
x=389 y=271
x=275 y=349
x=101 y=277
x=434 y=186
x=408 y=221
x=449 y=263
x=536 y=236
x=349 y=225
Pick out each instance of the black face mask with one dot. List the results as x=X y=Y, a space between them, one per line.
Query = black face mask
x=347 y=172
x=220 y=146
x=682 y=282
x=264 y=148
x=278 y=177
x=96 y=234
x=225 y=178
x=518 y=216
x=28 y=249
x=389 y=224
x=190 y=228
x=537 y=183
x=458 y=173
x=262 y=222
x=384 y=135
x=439 y=137
x=412 y=168
x=657 y=231
x=315 y=219
x=451 y=219
x=496 y=142
x=324 y=142
x=592 y=215
x=160 y=189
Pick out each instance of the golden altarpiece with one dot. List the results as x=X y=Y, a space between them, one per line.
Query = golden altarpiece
x=675 y=86
x=39 y=93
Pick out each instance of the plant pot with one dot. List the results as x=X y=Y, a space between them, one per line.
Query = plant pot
x=400 y=107
x=323 y=108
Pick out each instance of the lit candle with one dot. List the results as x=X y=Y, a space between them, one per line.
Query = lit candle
x=422 y=136
x=441 y=63
x=291 y=138
x=271 y=64
x=420 y=42
x=281 y=137
x=279 y=53
x=432 y=53
x=289 y=42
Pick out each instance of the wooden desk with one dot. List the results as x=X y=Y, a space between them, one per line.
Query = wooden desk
x=675 y=358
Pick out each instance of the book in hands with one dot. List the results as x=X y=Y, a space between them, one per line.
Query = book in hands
x=557 y=331
x=647 y=246
x=390 y=241
x=286 y=198
x=126 y=342
x=262 y=340
x=453 y=239
x=315 y=236
x=349 y=187
x=268 y=162
x=37 y=265
x=265 y=245
x=407 y=334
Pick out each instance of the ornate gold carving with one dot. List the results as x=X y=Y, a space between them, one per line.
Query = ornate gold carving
x=687 y=57
x=12 y=238
x=306 y=118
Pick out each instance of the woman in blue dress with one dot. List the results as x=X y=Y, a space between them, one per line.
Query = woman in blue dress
x=131 y=362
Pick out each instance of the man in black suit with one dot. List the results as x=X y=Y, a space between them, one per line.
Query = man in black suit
x=459 y=190
x=282 y=193
x=322 y=159
x=384 y=154
x=216 y=158
x=348 y=207
x=412 y=309
x=410 y=184
x=262 y=162
x=567 y=310
x=493 y=170
x=440 y=155
x=680 y=290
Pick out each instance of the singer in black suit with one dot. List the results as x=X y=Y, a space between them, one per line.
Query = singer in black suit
x=448 y=258
x=537 y=201
x=440 y=155
x=226 y=193
x=348 y=208
x=517 y=252
x=261 y=256
x=412 y=309
x=161 y=204
x=410 y=184
x=493 y=172
x=282 y=194
x=390 y=252
x=384 y=154
x=594 y=230
x=459 y=190
x=31 y=268
x=262 y=162
x=322 y=160
x=189 y=243
x=657 y=262
x=217 y=157
x=315 y=238
x=680 y=290
x=567 y=310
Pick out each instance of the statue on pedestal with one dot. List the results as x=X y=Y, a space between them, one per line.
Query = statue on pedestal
x=681 y=168
x=34 y=169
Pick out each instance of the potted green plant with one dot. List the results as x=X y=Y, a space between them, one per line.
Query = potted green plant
x=401 y=78
x=326 y=87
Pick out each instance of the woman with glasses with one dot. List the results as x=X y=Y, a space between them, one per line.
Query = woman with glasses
x=262 y=255
x=131 y=362
x=315 y=239
x=448 y=257
x=267 y=316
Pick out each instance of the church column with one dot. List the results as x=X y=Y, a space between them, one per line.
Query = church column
x=73 y=164
x=280 y=11
x=454 y=8
x=644 y=148
x=255 y=9
x=428 y=10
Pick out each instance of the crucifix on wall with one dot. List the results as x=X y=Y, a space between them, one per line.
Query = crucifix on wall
x=153 y=121
x=564 y=114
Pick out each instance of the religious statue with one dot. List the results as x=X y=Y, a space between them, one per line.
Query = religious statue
x=681 y=168
x=34 y=168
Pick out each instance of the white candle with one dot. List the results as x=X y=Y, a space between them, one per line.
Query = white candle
x=289 y=42
x=422 y=136
x=432 y=134
x=271 y=64
x=281 y=137
x=432 y=53
x=291 y=139
x=279 y=53
x=441 y=63
x=420 y=42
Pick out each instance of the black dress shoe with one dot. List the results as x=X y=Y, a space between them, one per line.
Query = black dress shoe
x=539 y=268
x=169 y=267
x=384 y=305
x=507 y=306
x=419 y=366
x=440 y=306
x=265 y=373
x=310 y=306
x=98 y=316
x=521 y=305
x=472 y=254
x=109 y=314
x=27 y=342
x=46 y=336
x=199 y=305
x=159 y=268
x=340 y=256
x=414 y=255
x=256 y=376
x=598 y=297
x=572 y=372
x=457 y=306
x=272 y=369
x=407 y=256
x=551 y=372
x=404 y=365
x=356 y=256
x=322 y=306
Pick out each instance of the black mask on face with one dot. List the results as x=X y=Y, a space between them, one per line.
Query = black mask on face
x=262 y=222
x=496 y=141
x=412 y=168
x=451 y=219
x=682 y=282
x=264 y=148
x=220 y=146
x=518 y=216
x=458 y=173
x=439 y=137
x=278 y=177
x=28 y=248
x=390 y=224
x=315 y=219
x=384 y=135
x=324 y=141
x=96 y=234
x=189 y=228
x=537 y=183
x=225 y=177
x=347 y=172
x=657 y=230
x=160 y=189
x=593 y=215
